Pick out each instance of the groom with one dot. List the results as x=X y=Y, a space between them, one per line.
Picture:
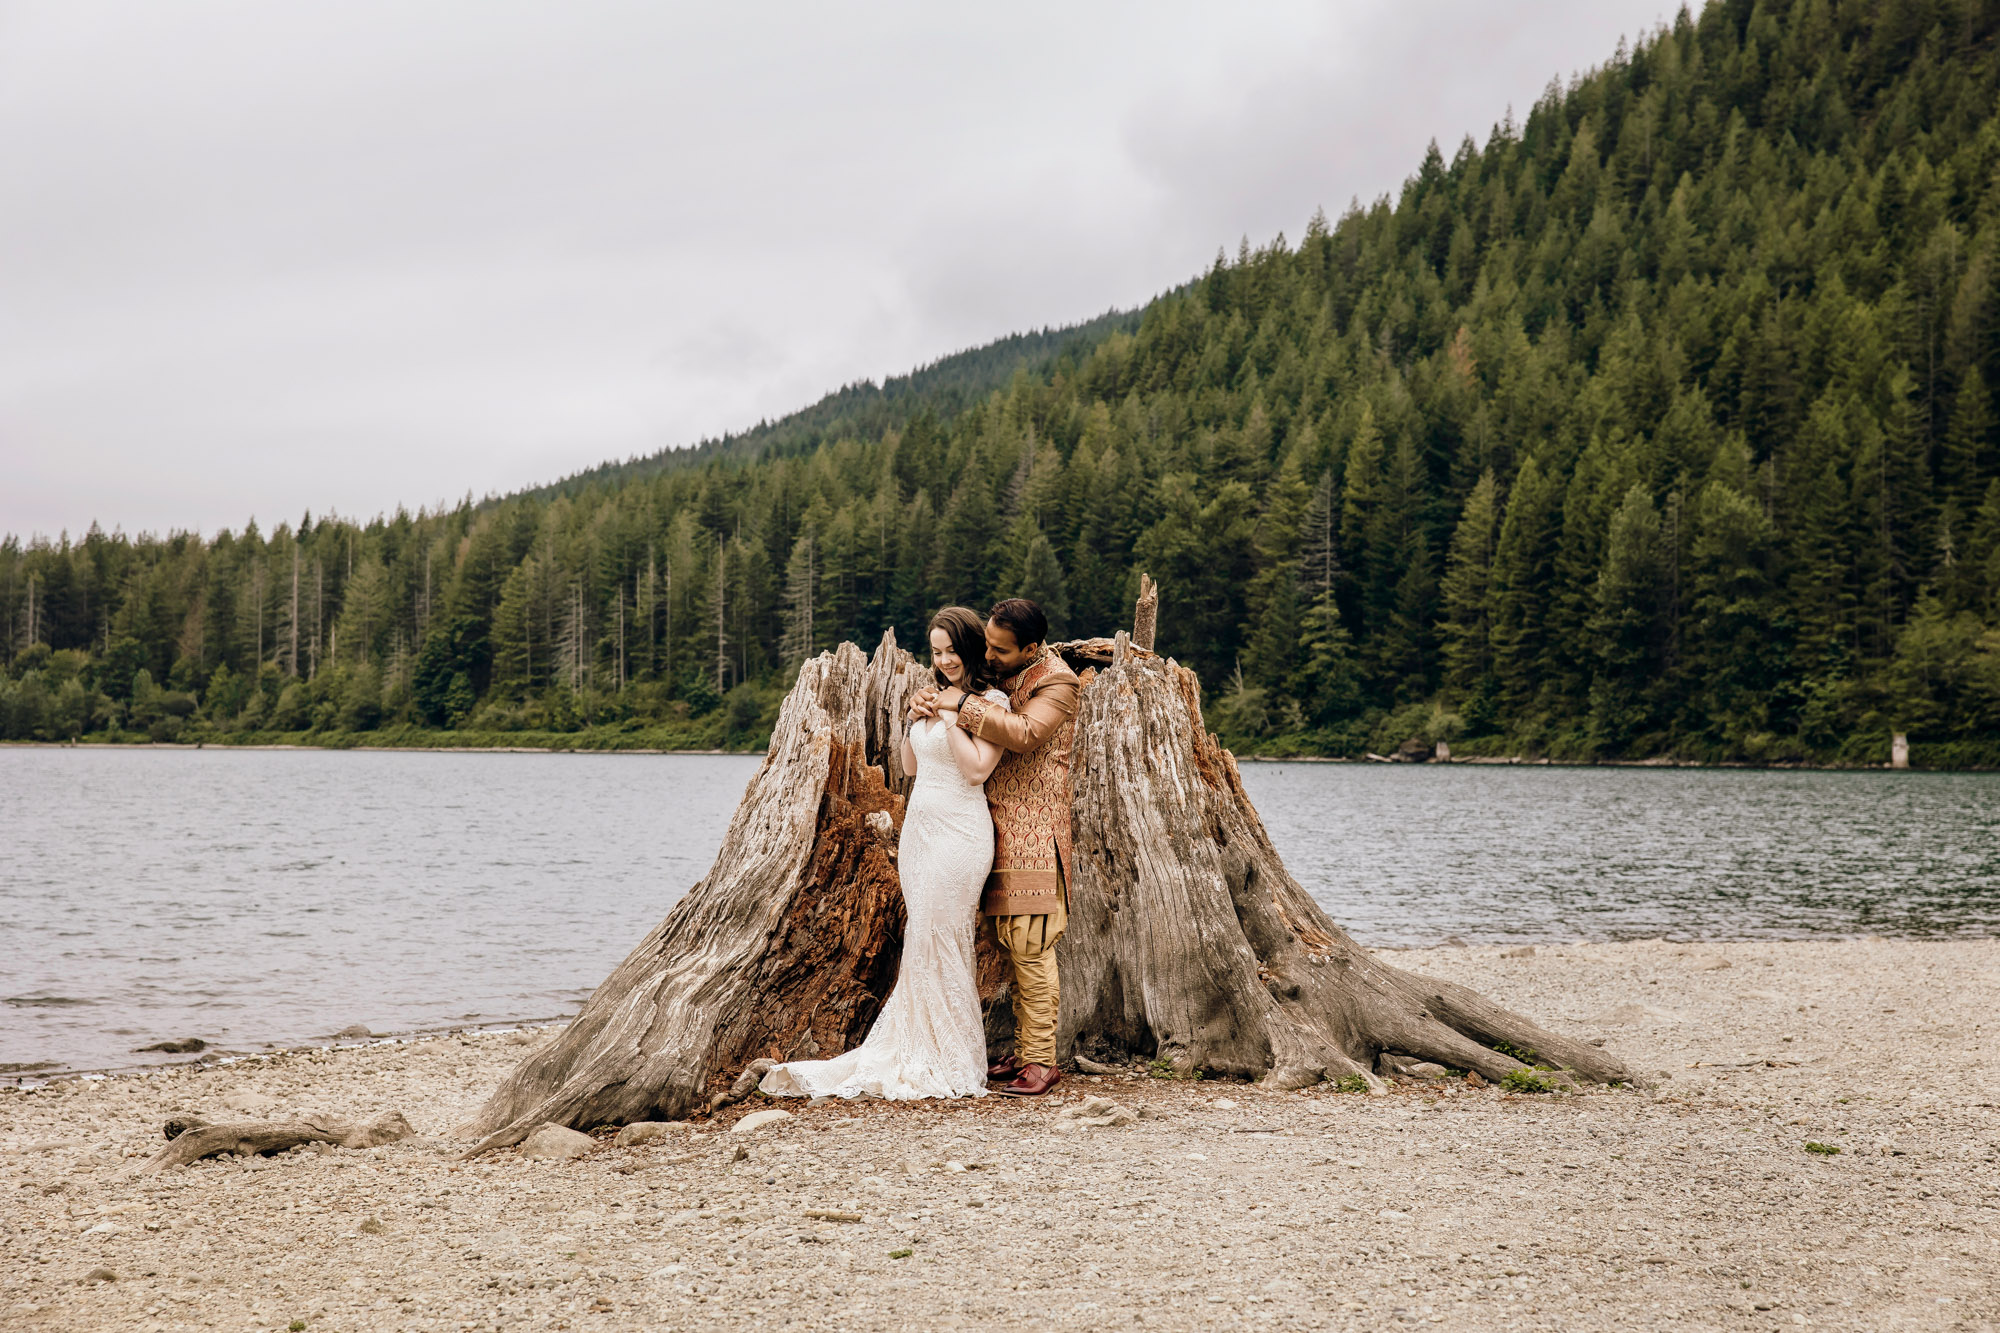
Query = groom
x=1027 y=894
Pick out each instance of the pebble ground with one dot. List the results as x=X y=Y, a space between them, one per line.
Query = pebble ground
x=1694 y=1205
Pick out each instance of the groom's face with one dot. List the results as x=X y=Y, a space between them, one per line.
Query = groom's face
x=1003 y=655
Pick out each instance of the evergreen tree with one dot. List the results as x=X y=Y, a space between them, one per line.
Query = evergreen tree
x=1467 y=590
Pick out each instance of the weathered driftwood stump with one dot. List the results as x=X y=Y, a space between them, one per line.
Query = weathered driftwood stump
x=1187 y=941
x=194 y=1142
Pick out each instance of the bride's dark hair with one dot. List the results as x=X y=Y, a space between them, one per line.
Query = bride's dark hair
x=967 y=631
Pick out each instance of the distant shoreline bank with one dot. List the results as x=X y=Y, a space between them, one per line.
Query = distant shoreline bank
x=1456 y=761
x=372 y=749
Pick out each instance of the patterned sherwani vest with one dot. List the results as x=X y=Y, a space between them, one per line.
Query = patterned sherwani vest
x=1029 y=788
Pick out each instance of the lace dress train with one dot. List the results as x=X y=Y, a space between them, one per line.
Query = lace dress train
x=929 y=1040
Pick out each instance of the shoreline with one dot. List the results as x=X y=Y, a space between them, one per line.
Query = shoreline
x=225 y=747
x=1456 y=761
x=1821 y=1148
x=216 y=1056
x=22 y=1079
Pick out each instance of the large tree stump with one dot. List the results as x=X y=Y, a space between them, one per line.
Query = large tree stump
x=1188 y=940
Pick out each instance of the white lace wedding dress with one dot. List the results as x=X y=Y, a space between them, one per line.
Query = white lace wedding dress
x=929 y=1040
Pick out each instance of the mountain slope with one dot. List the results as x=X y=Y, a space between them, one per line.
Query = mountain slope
x=867 y=410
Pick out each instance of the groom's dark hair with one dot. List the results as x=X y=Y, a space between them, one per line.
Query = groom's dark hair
x=1022 y=619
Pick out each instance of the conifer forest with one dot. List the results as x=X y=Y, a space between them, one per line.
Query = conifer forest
x=1659 y=424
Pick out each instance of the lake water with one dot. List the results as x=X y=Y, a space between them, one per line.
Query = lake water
x=257 y=898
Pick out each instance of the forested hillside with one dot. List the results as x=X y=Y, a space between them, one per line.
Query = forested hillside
x=1660 y=424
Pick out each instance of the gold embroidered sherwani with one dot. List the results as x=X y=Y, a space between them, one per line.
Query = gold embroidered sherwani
x=1028 y=792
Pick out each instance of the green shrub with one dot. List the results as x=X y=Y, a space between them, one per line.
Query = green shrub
x=1527 y=1080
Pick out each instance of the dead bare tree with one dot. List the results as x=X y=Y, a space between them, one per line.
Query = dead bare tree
x=1188 y=940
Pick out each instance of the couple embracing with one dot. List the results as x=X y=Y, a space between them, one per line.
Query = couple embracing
x=985 y=834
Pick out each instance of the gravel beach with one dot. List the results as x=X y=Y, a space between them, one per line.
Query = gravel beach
x=1695 y=1203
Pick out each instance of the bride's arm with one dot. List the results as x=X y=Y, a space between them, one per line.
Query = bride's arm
x=975 y=758
x=909 y=755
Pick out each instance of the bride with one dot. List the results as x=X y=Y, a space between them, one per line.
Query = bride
x=929 y=1040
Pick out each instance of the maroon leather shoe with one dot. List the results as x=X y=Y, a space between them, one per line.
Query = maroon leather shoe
x=1033 y=1082
x=1004 y=1068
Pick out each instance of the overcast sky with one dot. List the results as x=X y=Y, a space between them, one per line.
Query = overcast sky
x=260 y=258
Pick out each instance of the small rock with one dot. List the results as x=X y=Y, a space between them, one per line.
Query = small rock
x=735 y=1152
x=1638 y=1013
x=250 y=1103
x=646 y=1131
x=1454 y=942
x=556 y=1141
x=1096 y=1113
x=1715 y=965
x=1391 y=1215
x=1223 y=1104
x=756 y=1120
x=370 y=1226
x=955 y=1167
x=100 y=1275
x=185 y=1046
x=103 y=1229
x=1525 y=951
x=1595 y=1041
x=389 y=1127
x=354 y=1030
x=1425 y=1069
x=1472 y=1079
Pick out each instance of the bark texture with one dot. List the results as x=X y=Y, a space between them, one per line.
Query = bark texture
x=1188 y=940
x=785 y=950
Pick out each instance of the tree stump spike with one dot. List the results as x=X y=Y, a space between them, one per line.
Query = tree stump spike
x=1146 y=615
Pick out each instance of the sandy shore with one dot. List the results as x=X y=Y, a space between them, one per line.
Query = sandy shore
x=1696 y=1204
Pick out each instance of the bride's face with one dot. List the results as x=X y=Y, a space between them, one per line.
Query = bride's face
x=946 y=659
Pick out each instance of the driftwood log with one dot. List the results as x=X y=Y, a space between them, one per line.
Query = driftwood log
x=193 y=1142
x=1188 y=941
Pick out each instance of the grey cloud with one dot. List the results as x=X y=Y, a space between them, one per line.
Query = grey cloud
x=259 y=258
